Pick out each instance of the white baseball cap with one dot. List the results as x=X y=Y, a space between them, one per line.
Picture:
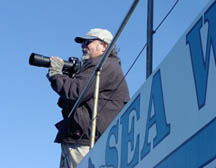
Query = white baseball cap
x=97 y=33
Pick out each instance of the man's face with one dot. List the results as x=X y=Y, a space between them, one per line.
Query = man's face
x=93 y=48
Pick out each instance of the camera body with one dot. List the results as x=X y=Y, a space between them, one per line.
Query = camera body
x=70 y=68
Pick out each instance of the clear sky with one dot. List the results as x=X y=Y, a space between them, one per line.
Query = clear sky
x=28 y=104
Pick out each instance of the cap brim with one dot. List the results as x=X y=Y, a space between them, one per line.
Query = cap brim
x=82 y=39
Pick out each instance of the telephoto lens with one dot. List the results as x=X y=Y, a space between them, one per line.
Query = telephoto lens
x=70 y=67
x=39 y=60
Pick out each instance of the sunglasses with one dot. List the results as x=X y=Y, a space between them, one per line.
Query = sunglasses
x=87 y=42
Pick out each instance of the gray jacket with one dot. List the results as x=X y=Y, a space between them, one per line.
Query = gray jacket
x=113 y=95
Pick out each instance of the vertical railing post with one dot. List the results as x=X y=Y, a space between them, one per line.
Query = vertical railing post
x=94 y=115
x=149 y=51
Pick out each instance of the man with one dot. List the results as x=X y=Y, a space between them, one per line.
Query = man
x=74 y=132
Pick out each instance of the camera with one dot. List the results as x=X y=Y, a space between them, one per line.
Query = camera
x=70 y=67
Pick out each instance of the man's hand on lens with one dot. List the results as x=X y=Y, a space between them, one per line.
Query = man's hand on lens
x=56 y=66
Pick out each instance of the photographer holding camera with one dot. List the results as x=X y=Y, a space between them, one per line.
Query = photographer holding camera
x=75 y=138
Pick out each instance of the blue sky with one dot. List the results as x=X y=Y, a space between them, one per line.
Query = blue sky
x=28 y=104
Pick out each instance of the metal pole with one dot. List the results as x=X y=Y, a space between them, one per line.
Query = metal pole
x=149 y=50
x=106 y=54
x=94 y=115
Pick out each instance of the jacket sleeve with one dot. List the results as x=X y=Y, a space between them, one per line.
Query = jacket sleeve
x=71 y=88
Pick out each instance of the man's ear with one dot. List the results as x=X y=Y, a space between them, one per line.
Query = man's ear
x=105 y=47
